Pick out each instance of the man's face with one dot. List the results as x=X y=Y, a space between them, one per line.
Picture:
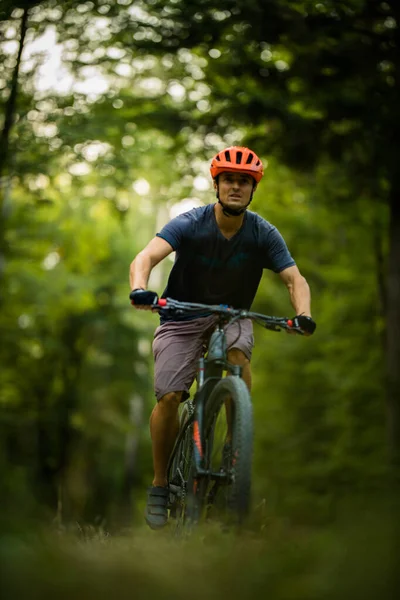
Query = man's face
x=235 y=189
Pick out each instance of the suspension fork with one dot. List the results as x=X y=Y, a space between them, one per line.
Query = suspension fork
x=198 y=435
x=208 y=375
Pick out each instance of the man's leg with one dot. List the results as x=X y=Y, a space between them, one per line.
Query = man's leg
x=164 y=426
x=240 y=342
x=177 y=347
x=237 y=357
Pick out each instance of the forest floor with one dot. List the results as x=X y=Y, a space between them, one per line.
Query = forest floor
x=351 y=559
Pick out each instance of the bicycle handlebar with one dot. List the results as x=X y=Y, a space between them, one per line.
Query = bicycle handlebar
x=271 y=323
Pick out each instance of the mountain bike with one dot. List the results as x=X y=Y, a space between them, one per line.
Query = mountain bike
x=209 y=471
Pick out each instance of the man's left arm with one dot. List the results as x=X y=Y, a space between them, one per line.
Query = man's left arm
x=299 y=290
x=300 y=297
x=277 y=258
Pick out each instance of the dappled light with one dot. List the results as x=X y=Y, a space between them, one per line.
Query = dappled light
x=110 y=115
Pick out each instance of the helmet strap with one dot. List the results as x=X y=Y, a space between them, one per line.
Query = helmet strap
x=232 y=212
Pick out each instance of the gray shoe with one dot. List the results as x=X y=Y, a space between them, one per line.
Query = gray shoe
x=156 y=513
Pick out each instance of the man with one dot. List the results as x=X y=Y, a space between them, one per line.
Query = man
x=221 y=251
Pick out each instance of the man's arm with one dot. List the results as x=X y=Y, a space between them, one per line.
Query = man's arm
x=298 y=289
x=146 y=260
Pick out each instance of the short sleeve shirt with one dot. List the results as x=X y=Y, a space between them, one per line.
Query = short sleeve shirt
x=211 y=269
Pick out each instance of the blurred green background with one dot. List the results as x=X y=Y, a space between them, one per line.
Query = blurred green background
x=110 y=114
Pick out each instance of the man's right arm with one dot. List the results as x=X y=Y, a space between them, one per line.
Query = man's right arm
x=155 y=251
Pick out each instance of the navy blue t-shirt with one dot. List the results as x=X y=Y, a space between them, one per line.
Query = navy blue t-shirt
x=211 y=269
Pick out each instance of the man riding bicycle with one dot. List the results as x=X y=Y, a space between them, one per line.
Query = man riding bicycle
x=221 y=251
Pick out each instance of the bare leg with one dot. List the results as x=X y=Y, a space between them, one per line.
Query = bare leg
x=237 y=357
x=164 y=426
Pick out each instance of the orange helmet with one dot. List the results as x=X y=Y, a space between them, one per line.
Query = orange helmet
x=237 y=159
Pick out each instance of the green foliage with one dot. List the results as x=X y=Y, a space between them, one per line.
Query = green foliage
x=310 y=86
x=68 y=346
x=319 y=401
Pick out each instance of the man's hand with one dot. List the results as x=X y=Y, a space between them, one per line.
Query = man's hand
x=306 y=324
x=143 y=299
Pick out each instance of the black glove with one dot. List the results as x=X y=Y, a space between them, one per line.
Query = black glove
x=306 y=324
x=145 y=297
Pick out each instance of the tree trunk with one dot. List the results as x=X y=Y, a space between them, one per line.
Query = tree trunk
x=393 y=328
x=12 y=99
x=4 y=143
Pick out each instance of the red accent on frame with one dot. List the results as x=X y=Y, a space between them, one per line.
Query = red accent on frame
x=196 y=438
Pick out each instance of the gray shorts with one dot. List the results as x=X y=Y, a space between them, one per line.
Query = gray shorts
x=178 y=345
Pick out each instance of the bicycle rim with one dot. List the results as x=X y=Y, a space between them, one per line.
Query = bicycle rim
x=228 y=432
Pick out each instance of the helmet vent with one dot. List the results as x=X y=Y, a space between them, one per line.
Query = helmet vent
x=236 y=159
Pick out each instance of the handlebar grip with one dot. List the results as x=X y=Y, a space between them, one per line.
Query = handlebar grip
x=143 y=297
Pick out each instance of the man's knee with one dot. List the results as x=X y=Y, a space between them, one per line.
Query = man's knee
x=237 y=357
x=171 y=400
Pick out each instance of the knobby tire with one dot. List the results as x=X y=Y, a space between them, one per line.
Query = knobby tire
x=230 y=502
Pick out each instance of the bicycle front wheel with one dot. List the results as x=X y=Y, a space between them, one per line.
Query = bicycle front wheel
x=228 y=435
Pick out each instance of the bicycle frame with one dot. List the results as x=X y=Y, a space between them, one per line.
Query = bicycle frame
x=210 y=371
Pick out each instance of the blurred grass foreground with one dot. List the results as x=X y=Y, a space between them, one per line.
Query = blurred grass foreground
x=356 y=558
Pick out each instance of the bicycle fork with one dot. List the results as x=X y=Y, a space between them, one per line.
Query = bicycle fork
x=206 y=385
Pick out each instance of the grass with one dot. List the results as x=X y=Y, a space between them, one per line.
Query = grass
x=355 y=558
